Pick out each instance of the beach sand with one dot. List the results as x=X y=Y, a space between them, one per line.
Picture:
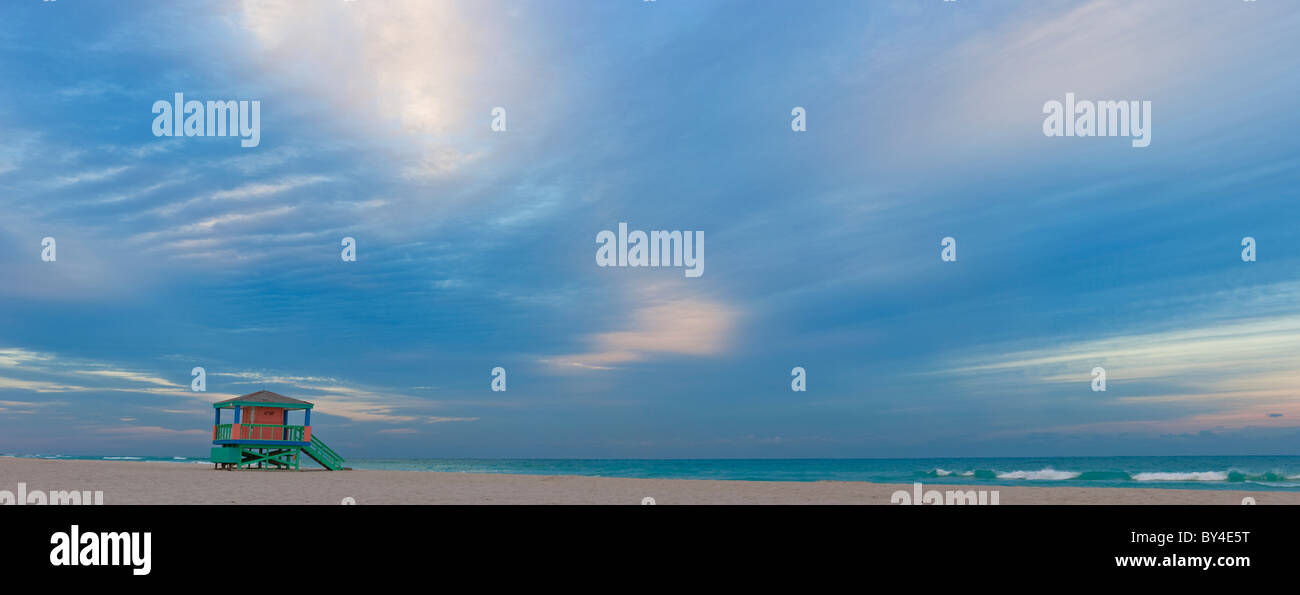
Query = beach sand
x=135 y=482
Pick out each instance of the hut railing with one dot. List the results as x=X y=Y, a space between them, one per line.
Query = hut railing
x=326 y=452
x=259 y=432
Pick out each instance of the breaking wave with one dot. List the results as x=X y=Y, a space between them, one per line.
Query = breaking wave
x=1051 y=474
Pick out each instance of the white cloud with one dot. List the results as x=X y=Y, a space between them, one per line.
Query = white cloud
x=662 y=326
x=409 y=67
x=985 y=93
x=150 y=432
x=129 y=376
x=226 y=220
x=1211 y=370
x=88 y=176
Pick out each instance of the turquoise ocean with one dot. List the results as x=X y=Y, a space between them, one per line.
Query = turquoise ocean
x=1187 y=472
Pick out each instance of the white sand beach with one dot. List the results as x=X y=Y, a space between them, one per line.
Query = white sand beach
x=136 y=482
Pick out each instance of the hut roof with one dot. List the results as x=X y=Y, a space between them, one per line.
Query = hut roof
x=264 y=397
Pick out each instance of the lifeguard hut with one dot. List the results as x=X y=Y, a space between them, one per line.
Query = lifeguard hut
x=260 y=435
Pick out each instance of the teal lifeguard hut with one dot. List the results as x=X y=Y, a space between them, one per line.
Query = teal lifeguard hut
x=260 y=436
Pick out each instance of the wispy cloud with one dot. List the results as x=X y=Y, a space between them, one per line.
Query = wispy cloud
x=416 y=67
x=676 y=326
x=243 y=192
x=42 y=372
x=148 y=432
x=219 y=222
x=88 y=176
x=129 y=376
x=1231 y=371
x=356 y=403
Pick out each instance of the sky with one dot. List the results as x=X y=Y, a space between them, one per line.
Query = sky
x=476 y=248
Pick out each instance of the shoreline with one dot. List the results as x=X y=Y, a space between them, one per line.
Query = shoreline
x=189 y=482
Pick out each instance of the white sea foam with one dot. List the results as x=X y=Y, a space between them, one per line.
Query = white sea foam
x=1042 y=474
x=942 y=472
x=1276 y=484
x=1187 y=476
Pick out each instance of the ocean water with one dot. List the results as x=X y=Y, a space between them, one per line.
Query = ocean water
x=1198 y=473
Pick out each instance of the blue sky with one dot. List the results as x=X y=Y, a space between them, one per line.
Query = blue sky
x=476 y=248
